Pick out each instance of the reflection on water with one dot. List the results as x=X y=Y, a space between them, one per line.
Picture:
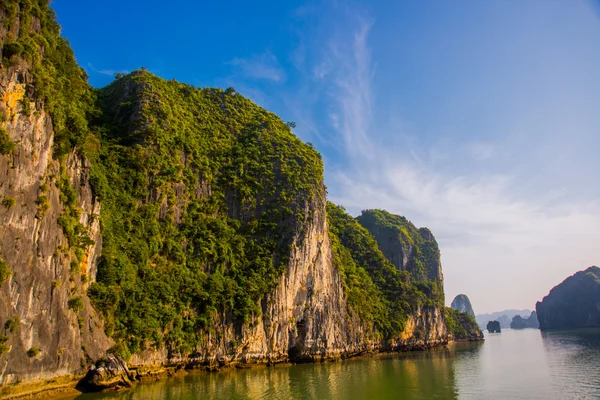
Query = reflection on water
x=574 y=360
x=526 y=364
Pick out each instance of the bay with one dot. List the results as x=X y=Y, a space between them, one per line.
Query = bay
x=515 y=364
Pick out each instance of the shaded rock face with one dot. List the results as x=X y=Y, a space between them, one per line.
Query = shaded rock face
x=575 y=303
x=493 y=327
x=462 y=303
x=519 y=322
x=35 y=250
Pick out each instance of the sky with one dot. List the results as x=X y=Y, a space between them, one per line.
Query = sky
x=477 y=119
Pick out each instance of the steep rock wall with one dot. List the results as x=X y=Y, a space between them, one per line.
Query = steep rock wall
x=304 y=319
x=33 y=247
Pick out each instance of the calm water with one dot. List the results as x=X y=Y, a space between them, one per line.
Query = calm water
x=526 y=364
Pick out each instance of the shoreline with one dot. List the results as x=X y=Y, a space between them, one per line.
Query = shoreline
x=64 y=386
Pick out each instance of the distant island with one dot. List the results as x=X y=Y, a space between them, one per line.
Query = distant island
x=575 y=303
x=503 y=317
x=519 y=322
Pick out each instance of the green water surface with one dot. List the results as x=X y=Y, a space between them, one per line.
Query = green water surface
x=524 y=364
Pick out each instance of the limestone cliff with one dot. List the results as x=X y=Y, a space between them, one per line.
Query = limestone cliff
x=462 y=303
x=45 y=337
x=167 y=223
x=414 y=251
x=572 y=304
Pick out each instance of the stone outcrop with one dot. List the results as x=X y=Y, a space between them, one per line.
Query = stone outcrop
x=493 y=327
x=462 y=303
x=575 y=303
x=109 y=372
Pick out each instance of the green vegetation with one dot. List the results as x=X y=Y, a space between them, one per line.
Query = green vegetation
x=76 y=304
x=6 y=145
x=25 y=105
x=395 y=235
x=42 y=205
x=33 y=351
x=57 y=79
x=8 y=202
x=13 y=324
x=4 y=348
x=5 y=271
x=462 y=325
x=364 y=298
x=394 y=288
x=202 y=193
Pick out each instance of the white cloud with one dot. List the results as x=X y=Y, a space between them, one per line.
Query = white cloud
x=502 y=247
x=109 y=72
x=509 y=229
x=481 y=151
x=260 y=66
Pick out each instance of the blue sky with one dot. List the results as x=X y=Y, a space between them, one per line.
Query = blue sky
x=478 y=119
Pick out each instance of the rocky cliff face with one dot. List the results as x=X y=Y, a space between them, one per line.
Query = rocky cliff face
x=462 y=303
x=45 y=274
x=575 y=303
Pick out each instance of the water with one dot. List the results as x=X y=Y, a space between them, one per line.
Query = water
x=525 y=364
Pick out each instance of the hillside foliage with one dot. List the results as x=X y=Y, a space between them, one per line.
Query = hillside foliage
x=395 y=289
x=202 y=195
x=423 y=259
x=58 y=82
x=461 y=324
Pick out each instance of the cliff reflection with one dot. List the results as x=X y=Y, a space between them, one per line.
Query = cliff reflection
x=423 y=375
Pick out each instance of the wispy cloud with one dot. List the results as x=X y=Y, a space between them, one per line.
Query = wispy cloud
x=503 y=246
x=109 y=72
x=352 y=94
x=480 y=151
x=260 y=66
x=505 y=237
